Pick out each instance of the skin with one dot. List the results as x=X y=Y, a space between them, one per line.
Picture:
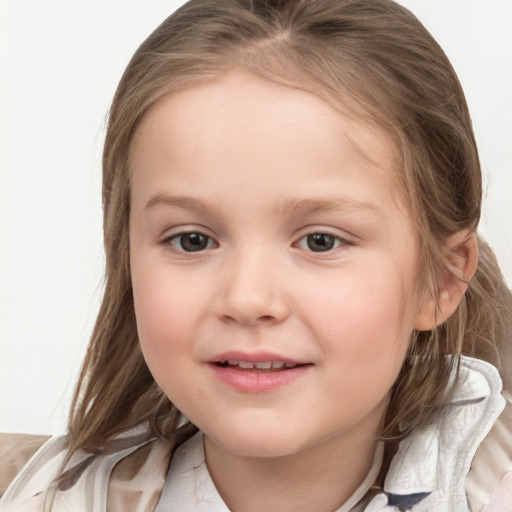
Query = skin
x=257 y=167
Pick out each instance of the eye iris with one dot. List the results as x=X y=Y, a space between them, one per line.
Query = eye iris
x=193 y=242
x=320 y=242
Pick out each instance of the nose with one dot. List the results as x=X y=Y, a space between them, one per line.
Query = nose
x=251 y=291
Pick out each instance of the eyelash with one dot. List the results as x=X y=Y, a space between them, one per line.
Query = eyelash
x=333 y=242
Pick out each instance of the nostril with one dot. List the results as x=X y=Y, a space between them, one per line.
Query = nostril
x=264 y=319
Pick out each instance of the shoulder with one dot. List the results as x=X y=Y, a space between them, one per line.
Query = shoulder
x=15 y=452
x=133 y=470
x=30 y=464
x=489 y=482
x=432 y=466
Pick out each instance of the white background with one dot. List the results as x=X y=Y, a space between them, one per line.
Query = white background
x=60 y=62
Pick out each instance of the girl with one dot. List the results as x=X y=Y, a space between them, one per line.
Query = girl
x=298 y=313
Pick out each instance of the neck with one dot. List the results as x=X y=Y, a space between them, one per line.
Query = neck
x=321 y=478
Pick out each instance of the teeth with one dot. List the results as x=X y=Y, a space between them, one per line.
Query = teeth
x=264 y=365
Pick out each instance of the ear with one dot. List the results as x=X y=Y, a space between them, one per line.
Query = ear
x=460 y=262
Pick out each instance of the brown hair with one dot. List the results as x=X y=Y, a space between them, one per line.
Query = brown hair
x=374 y=60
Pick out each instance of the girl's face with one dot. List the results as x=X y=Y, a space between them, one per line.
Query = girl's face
x=273 y=265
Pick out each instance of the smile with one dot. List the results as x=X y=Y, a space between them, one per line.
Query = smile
x=260 y=365
x=257 y=373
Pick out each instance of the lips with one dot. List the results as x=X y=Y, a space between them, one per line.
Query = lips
x=261 y=365
x=256 y=373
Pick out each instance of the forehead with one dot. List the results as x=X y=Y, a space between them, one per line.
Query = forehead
x=257 y=100
x=239 y=127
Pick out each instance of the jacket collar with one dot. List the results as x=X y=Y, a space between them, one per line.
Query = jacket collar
x=439 y=457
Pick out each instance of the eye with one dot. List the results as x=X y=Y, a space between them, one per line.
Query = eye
x=320 y=242
x=190 y=242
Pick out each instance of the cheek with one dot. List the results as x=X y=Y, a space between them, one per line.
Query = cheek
x=165 y=309
x=364 y=319
x=165 y=316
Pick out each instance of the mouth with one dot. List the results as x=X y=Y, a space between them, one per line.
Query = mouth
x=260 y=366
x=256 y=373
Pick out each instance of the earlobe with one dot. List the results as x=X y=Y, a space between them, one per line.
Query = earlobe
x=460 y=263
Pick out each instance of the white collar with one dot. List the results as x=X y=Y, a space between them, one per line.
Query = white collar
x=189 y=487
x=437 y=459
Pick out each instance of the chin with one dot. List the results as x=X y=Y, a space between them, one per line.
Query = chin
x=267 y=442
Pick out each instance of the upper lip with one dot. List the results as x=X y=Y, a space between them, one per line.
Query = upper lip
x=252 y=357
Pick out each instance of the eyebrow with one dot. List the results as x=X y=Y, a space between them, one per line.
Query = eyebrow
x=311 y=206
x=188 y=203
x=290 y=207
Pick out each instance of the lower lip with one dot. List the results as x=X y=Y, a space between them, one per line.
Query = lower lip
x=257 y=381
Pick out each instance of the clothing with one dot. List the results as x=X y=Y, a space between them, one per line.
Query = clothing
x=188 y=485
x=428 y=474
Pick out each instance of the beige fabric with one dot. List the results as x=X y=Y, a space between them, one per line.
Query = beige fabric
x=137 y=481
x=15 y=451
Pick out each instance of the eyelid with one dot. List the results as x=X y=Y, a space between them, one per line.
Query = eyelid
x=183 y=229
